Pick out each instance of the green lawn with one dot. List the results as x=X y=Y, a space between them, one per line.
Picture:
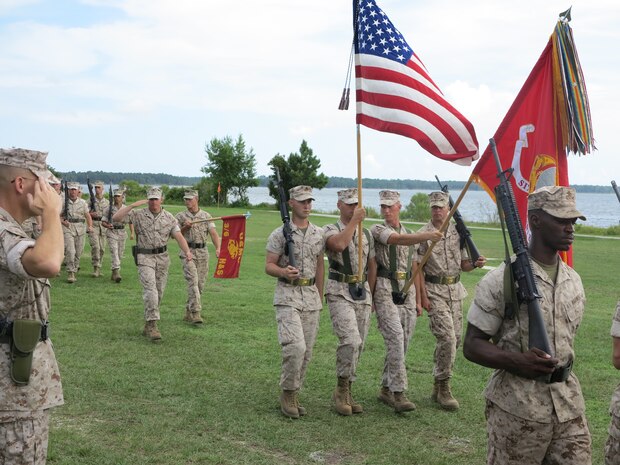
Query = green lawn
x=209 y=395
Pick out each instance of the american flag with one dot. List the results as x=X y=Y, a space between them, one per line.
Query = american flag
x=396 y=94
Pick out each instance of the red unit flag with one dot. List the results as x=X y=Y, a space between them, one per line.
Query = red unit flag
x=231 y=249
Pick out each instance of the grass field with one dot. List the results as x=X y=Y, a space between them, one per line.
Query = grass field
x=209 y=395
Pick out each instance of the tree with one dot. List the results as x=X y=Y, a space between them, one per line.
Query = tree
x=232 y=167
x=298 y=168
x=418 y=209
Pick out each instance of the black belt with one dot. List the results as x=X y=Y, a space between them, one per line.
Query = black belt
x=6 y=331
x=346 y=278
x=154 y=251
x=298 y=281
x=561 y=374
x=76 y=220
x=196 y=245
x=442 y=279
x=385 y=273
x=120 y=226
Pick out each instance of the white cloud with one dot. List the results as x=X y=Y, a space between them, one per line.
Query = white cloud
x=273 y=71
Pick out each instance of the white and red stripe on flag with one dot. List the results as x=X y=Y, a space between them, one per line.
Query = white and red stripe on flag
x=395 y=93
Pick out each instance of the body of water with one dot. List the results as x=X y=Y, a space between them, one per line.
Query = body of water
x=602 y=210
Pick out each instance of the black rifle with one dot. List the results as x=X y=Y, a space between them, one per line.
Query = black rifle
x=461 y=228
x=527 y=291
x=615 y=187
x=286 y=223
x=111 y=201
x=92 y=195
x=65 y=207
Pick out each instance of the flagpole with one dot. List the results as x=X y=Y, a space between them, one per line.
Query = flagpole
x=246 y=215
x=443 y=229
x=360 y=227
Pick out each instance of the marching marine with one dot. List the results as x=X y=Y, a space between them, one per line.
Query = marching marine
x=153 y=227
x=116 y=234
x=195 y=227
x=97 y=235
x=76 y=223
x=348 y=295
x=397 y=312
x=297 y=298
x=442 y=295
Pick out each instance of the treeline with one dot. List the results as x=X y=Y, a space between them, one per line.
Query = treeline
x=153 y=179
x=150 y=179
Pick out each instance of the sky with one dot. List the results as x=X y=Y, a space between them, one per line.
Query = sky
x=144 y=85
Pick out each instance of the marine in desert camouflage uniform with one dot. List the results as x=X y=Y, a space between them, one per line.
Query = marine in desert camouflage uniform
x=97 y=235
x=153 y=227
x=27 y=392
x=195 y=227
x=612 y=446
x=298 y=294
x=395 y=252
x=442 y=295
x=349 y=298
x=76 y=223
x=116 y=234
x=530 y=420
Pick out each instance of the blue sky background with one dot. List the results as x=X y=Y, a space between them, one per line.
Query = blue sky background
x=143 y=85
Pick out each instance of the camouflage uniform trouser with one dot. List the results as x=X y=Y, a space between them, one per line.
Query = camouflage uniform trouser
x=516 y=441
x=446 y=324
x=396 y=324
x=23 y=439
x=350 y=322
x=612 y=446
x=153 y=272
x=297 y=332
x=74 y=246
x=195 y=272
x=97 y=243
x=116 y=242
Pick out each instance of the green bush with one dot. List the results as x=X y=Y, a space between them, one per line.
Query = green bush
x=418 y=209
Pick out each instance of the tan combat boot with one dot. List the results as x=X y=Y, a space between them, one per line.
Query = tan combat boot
x=288 y=405
x=151 y=331
x=402 y=404
x=385 y=396
x=71 y=277
x=355 y=407
x=116 y=275
x=341 y=397
x=300 y=409
x=196 y=319
x=444 y=395
x=187 y=316
x=97 y=272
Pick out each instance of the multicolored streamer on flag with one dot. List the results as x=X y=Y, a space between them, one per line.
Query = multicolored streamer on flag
x=550 y=116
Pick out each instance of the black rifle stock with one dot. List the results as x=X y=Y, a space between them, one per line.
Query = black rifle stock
x=92 y=195
x=615 y=188
x=527 y=291
x=286 y=223
x=65 y=206
x=461 y=228
x=111 y=202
